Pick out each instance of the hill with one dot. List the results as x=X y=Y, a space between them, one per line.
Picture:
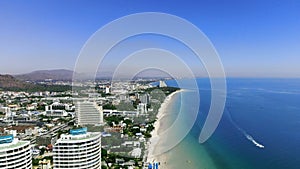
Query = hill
x=42 y=75
x=10 y=83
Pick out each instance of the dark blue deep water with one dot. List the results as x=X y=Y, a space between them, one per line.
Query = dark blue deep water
x=258 y=112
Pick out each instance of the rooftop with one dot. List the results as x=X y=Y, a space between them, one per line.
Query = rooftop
x=78 y=131
x=15 y=143
x=6 y=139
x=86 y=136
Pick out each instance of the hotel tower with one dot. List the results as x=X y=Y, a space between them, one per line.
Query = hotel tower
x=78 y=150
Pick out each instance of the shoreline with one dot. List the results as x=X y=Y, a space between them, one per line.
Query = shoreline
x=152 y=143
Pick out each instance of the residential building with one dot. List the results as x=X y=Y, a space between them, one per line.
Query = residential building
x=78 y=150
x=145 y=98
x=14 y=153
x=88 y=113
x=162 y=84
x=107 y=89
x=142 y=108
x=56 y=113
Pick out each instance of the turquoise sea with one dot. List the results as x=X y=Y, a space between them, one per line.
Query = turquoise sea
x=258 y=112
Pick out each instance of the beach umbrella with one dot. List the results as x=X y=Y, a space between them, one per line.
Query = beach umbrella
x=156 y=165
x=150 y=166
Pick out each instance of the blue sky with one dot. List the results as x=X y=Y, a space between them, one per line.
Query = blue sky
x=253 y=38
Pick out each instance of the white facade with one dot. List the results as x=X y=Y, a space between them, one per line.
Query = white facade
x=142 y=108
x=56 y=113
x=81 y=151
x=145 y=98
x=5 y=109
x=162 y=84
x=107 y=89
x=16 y=154
x=88 y=113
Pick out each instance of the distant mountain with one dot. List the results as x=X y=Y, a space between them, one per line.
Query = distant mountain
x=67 y=75
x=42 y=75
x=10 y=83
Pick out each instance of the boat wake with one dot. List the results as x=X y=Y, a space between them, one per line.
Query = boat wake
x=248 y=136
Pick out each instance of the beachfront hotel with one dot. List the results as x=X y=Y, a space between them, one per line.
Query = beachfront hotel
x=14 y=153
x=77 y=150
x=88 y=113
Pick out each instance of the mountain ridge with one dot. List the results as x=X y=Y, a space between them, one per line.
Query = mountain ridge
x=42 y=75
x=10 y=83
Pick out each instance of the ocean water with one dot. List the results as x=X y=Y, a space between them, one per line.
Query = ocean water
x=260 y=127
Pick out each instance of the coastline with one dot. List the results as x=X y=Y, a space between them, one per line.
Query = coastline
x=153 y=142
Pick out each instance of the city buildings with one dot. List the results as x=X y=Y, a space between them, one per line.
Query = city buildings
x=56 y=113
x=162 y=84
x=78 y=150
x=107 y=89
x=142 y=108
x=88 y=113
x=14 y=153
x=145 y=98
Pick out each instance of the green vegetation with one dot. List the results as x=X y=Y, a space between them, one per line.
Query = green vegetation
x=109 y=106
x=125 y=106
x=165 y=90
x=114 y=140
x=42 y=151
x=39 y=88
x=60 y=132
x=35 y=161
x=92 y=128
x=113 y=119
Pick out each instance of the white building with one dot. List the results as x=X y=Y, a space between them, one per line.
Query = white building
x=78 y=150
x=15 y=153
x=107 y=89
x=56 y=113
x=88 y=113
x=5 y=109
x=162 y=84
x=58 y=106
x=145 y=98
x=142 y=108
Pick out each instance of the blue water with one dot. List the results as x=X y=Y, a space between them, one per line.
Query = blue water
x=260 y=127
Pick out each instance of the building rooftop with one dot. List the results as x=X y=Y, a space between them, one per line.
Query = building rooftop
x=76 y=137
x=78 y=131
x=15 y=143
x=6 y=139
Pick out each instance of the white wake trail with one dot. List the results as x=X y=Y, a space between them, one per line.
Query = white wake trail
x=248 y=136
x=253 y=141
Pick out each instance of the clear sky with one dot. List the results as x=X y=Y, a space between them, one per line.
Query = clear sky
x=253 y=38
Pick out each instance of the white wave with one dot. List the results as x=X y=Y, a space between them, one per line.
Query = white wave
x=280 y=91
x=250 y=138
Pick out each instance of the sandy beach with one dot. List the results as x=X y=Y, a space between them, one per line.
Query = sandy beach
x=153 y=142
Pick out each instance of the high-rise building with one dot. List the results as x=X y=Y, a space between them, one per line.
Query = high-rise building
x=78 y=150
x=162 y=84
x=107 y=89
x=142 y=108
x=145 y=98
x=14 y=153
x=88 y=113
